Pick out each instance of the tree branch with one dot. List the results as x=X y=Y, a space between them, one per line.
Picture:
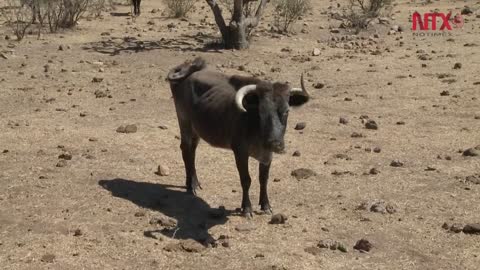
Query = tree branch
x=253 y=21
x=217 y=12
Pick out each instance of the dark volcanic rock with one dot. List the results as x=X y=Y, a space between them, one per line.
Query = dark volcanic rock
x=363 y=245
x=371 y=124
x=300 y=126
x=472 y=228
x=278 y=219
x=472 y=152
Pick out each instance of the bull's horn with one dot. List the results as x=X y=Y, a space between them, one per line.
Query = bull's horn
x=241 y=93
x=303 y=89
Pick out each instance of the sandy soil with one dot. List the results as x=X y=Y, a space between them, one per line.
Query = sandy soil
x=107 y=209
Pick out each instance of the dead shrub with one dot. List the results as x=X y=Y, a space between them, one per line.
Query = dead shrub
x=287 y=12
x=18 y=17
x=179 y=8
x=361 y=12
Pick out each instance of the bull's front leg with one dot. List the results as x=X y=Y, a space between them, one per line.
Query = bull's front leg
x=263 y=178
x=241 y=159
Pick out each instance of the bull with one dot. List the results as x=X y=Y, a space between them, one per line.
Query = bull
x=245 y=114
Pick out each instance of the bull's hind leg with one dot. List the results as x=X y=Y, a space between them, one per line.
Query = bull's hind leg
x=189 y=143
x=263 y=178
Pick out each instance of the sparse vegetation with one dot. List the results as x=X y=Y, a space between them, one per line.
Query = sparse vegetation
x=361 y=12
x=287 y=12
x=179 y=8
x=21 y=14
x=18 y=17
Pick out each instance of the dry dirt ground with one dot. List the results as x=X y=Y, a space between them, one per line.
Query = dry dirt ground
x=107 y=209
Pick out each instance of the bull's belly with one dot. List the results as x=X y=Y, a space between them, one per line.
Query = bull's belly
x=215 y=136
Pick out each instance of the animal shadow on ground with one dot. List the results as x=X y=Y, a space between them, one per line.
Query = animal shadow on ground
x=120 y=14
x=116 y=45
x=194 y=216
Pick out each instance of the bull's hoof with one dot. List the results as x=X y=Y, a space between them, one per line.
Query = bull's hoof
x=266 y=209
x=194 y=186
x=192 y=191
x=247 y=213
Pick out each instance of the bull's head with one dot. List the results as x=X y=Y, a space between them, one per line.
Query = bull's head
x=271 y=103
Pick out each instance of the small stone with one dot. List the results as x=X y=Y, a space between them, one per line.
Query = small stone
x=400 y=123
x=245 y=227
x=191 y=245
x=121 y=129
x=343 y=120
x=356 y=135
x=65 y=156
x=162 y=170
x=278 y=219
x=327 y=243
x=302 y=173
x=163 y=221
x=370 y=124
x=341 y=247
x=467 y=11
x=77 y=232
x=300 y=126
x=363 y=245
x=473 y=228
x=60 y=48
x=130 y=128
x=396 y=163
x=319 y=85
x=472 y=152
x=62 y=163
x=378 y=207
x=456 y=228
x=316 y=52
x=140 y=214
x=296 y=153
x=100 y=94
x=377 y=149
x=445 y=226
x=473 y=179
x=97 y=79
x=173 y=247
x=445 y=93
x=457 y=66
x=374 y=171
x=48 y=258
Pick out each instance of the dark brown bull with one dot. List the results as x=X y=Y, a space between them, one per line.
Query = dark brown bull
x=244 y=114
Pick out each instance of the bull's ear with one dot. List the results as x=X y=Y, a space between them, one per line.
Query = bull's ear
x=298 y=98
x=250 y=102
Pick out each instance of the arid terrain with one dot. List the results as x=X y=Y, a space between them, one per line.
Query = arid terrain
x=77 y=194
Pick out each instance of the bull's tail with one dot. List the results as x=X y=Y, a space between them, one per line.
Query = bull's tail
x=184 y=70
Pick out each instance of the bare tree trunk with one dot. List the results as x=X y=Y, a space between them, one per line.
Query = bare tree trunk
x=235 y=35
